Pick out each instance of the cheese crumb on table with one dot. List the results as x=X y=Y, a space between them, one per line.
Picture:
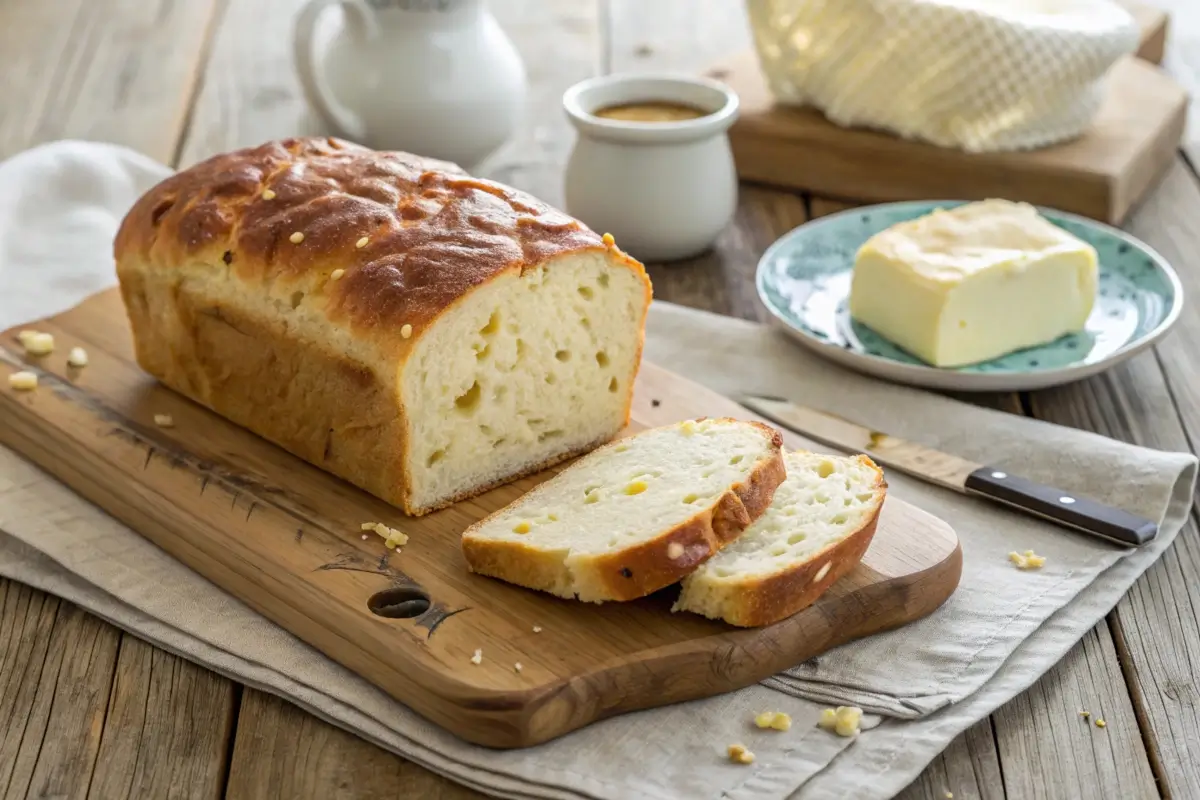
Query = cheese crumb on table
x=23 y=381
x=1100 y=723
x=537 y=628
x=78 y=357
x=1085 y=714
x=391 y=536
x=37 y=344
x=738 y=754
x=1027 y=560
x=164 y=420
x=773 y=719
x=23 y=336
x=477 y=658
x=844 y=720
x=517 y=667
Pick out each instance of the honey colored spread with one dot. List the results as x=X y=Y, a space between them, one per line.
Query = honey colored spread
x=650 y=112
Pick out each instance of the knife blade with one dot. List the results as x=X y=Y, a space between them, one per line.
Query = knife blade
x=959 y=474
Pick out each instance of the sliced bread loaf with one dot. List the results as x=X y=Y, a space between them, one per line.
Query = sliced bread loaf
x=635 y=515
x=817 y=528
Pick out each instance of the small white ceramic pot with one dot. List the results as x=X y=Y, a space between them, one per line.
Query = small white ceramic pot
x=664 y=190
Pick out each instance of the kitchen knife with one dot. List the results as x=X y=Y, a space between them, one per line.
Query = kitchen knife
x=959 y=474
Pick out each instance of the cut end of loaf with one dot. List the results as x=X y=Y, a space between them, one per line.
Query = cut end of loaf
x=817 y=529
x=633 y=516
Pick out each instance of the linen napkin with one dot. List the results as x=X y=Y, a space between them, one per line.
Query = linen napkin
x=59 y=207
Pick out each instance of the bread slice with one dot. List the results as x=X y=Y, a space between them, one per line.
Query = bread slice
x=818 y=527
x=635 y=515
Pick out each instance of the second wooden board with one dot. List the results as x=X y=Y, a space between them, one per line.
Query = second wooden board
x=285 y=538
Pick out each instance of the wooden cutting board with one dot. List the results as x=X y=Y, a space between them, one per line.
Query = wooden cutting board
x=1101 y=174
x=284 y=537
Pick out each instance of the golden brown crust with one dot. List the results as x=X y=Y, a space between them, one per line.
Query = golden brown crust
x=637 y=571
x=784 y=593
x=433 y=232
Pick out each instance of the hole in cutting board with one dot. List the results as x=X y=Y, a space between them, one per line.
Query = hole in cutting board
x=399 y=602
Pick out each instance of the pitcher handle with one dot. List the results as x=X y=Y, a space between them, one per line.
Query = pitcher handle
x=361 y=23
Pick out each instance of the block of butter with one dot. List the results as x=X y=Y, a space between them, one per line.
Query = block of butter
x=973 y=283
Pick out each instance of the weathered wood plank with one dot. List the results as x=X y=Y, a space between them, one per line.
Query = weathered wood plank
x=284 y=752
x=26 y=622
x=168 y=728
x=116 y=70
x=969 y=769
x=1154 y=400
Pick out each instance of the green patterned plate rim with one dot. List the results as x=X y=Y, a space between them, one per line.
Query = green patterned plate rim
x=804 y=281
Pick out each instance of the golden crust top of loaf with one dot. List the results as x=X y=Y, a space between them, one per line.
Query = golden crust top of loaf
x=288 y=213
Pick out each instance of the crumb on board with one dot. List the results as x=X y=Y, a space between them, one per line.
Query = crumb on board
x=36 y=343
x=392 y=538
x=78 y=357
x=164 y=420
x=1027 y=560
x=537 y=628
x=776 y=720
x=477 y=657
x=23 y=381
x=517 y=667
x=843 y=720
x=738 y=754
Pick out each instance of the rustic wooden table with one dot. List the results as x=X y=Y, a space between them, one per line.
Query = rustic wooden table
x=86 y=710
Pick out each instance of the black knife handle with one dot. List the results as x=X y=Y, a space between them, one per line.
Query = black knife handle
x=1065 y=508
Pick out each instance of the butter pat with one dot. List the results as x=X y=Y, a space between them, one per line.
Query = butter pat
x=973 y=283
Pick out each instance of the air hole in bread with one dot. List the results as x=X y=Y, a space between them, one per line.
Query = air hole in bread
x=825 y=469
x=493 y=325
x=521 y=348
x=839 y=519
x=500 y=391
x=482 y=353
x=514 y=328
x=604 y=280
x=586 y=292
x=636 y=487
x=613 y=385
x=778 y=551
x=593 y=497
x=690 y=498
x=864 y=498
x=602 y=358
x=521 y=527
x=621 y=448
x=821 y=498
x=434 y=457
x=796 y=538
x=554 y=434
x=160 y=211
x=468 y=400
x=550 y=379
x=586 y=323
x=486 y=430
x=499 y=441
x=736 y=459
x=847 y=502
x=297 y=299
x=563 y=355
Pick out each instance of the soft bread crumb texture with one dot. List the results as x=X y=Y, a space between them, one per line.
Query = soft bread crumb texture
x=603 y=528
x=816 y=529
x=23 y=381
x=475 y=334
x=974 y=282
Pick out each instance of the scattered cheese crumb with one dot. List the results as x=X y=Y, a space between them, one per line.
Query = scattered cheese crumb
x=537 y=628
x=391 y=536
x=405 y=331
x=949 y=795
x=608 y=239
x=78 y=357
x=1085 y=714
x=1099 y=723
x=364 y=537
x=23 y=381
x=23 y=336
x=518 y=666
x=296 y=238
x=773 y=719
x=164 y=420
x=337 y=274
x=674 y=550
x=361 y=243
x=1027 y=560
x=738 y=754
x=268 y=194
x=38 y=344
x=477 y=658
x=843 y=720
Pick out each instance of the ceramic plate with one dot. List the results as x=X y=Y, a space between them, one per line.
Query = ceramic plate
x=804 y=280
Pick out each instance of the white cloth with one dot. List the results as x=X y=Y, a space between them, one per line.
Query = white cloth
x=59 y=207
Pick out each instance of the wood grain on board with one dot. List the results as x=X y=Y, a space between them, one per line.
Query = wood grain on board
x=285 y=538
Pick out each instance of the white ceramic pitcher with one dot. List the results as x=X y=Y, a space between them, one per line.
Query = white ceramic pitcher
x=438 y=78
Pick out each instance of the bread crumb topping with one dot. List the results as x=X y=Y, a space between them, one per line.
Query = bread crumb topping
x=296 y=238
x=23 y=381
x=361 y=243
x=1027 y=560
x=776 y=720
x=337 y=274
x=164 y=420
x=392 y=537
x=477 y=658
x=738 y=754
x=78 y=357
x=268 y=194
x=844 y=720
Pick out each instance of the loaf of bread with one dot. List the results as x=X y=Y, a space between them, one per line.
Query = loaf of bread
x=420 y=333
x=633 y=516
x=817 y=528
